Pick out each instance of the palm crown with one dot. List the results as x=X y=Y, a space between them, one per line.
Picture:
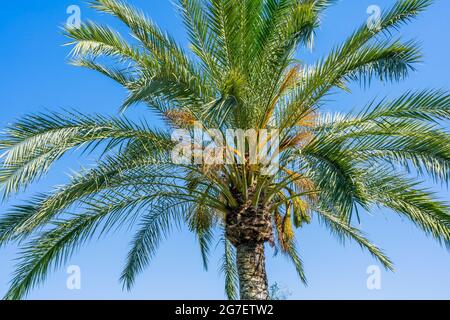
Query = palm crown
x=240 y=73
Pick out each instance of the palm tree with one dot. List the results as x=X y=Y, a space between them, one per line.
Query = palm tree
x=241 y=73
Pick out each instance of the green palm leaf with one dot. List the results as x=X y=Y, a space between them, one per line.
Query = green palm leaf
x=240 y=73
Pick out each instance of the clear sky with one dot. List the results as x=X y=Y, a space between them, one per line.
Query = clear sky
x=35 y=77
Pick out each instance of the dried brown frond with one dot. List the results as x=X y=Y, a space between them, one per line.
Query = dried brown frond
x=181 y=119
x=290 y=79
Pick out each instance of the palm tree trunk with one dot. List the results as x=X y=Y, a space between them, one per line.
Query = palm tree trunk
x=251 y=265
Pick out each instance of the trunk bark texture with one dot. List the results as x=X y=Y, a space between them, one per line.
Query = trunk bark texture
x=248 y=228
x=251 y=264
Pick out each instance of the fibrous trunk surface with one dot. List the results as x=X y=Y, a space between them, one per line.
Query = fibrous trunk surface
x=248 y=228
x=252 y=272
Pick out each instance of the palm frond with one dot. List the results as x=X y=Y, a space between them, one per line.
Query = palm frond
x=342 y=229
x=55 y=246
x=228 y=268
x=34 y=143
x=154 y=226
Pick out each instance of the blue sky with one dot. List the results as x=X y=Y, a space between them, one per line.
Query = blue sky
x=35 y=77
